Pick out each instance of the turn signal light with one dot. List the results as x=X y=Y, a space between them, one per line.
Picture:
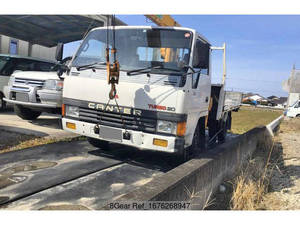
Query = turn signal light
x=71 y=125
x=160 y=142
x=181 y=128
x=63 y=109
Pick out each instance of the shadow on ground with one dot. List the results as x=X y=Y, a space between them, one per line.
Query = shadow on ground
x=148 y=159
x=54 y=123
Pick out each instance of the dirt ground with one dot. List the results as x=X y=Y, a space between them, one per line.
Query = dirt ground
x=284 y=188
x=283 y=175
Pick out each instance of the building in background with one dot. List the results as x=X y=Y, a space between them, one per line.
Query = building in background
x=292 y=86
x=10 y=45
x=38 y=35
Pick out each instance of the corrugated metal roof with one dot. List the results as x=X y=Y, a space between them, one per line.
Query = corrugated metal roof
x=48 y=30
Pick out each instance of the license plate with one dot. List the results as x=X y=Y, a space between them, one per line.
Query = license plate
x=22 y=97
x=110 y=133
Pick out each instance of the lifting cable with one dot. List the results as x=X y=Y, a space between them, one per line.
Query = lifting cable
x=113 y=72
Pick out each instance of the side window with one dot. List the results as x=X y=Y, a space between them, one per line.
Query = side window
x=13 y=47
x=24 y=65
x=201 y=57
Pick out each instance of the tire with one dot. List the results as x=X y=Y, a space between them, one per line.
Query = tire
x=198 y=144
x=26 y=113
x=104 y=145
x=224 y=125
x=298 y=115
x=222 y=135
x=2 y=102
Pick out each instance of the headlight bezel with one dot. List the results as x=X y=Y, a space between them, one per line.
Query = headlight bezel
x=72 y=111
x=167 y=127
x=53 y=84
x=11 y=80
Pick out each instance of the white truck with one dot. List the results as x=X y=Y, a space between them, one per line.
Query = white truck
x=293 y=109
x=165 y=99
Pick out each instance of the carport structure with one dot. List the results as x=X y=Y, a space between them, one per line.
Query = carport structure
x=48 y=30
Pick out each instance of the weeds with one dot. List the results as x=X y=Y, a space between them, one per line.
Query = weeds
x=252 y=184
x=38 y=142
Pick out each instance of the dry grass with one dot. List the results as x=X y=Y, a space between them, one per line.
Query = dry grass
x=247 y=193
x=251 y=186
x=249 y=117
x=37 y=142
x=192 y=196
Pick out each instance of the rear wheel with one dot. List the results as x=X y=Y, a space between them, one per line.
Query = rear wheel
x=223 y=132
x=104 y=145
x=26 y=113
x=298 y=115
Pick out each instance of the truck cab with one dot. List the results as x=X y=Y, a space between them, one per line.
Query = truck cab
x=164 y=93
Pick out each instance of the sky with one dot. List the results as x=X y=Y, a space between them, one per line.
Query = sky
x=261 y=50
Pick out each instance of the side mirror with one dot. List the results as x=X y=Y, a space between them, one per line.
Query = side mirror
x=59 y=52
x=63 y=67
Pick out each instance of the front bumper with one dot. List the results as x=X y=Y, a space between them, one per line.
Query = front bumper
x=36 y=97
x=138 y=139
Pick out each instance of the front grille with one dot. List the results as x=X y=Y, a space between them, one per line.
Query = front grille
x=30 y=82
x=131 y=122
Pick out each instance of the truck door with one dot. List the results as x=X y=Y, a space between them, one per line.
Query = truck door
x=201 y=80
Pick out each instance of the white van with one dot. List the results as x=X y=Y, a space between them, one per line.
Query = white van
x=294 y=110
x=12 y=63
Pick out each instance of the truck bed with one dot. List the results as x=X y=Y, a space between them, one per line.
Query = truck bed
x=233 y=100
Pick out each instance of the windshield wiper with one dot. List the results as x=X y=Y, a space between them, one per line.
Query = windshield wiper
x=149 y=69
x=90 y=66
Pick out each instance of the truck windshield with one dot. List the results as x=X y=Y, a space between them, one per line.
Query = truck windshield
x=139 y=48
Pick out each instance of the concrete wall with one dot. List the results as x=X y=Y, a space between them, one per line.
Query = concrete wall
x=37 y=51
x=42 y=52
x=202 y=175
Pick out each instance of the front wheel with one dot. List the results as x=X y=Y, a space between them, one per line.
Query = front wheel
x=2 y=102
x=104 y=145
x=26 y=113
x=198 y=143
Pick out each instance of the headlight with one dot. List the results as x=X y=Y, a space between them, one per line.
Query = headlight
x=11 y=80
x=53 y=85
x=166 y=127
x=72 y=111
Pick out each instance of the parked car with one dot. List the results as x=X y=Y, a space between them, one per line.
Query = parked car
x=13 y=63
x=34 y=92
x=294 y=110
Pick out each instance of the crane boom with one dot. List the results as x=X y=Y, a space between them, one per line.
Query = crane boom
x=163 y=20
